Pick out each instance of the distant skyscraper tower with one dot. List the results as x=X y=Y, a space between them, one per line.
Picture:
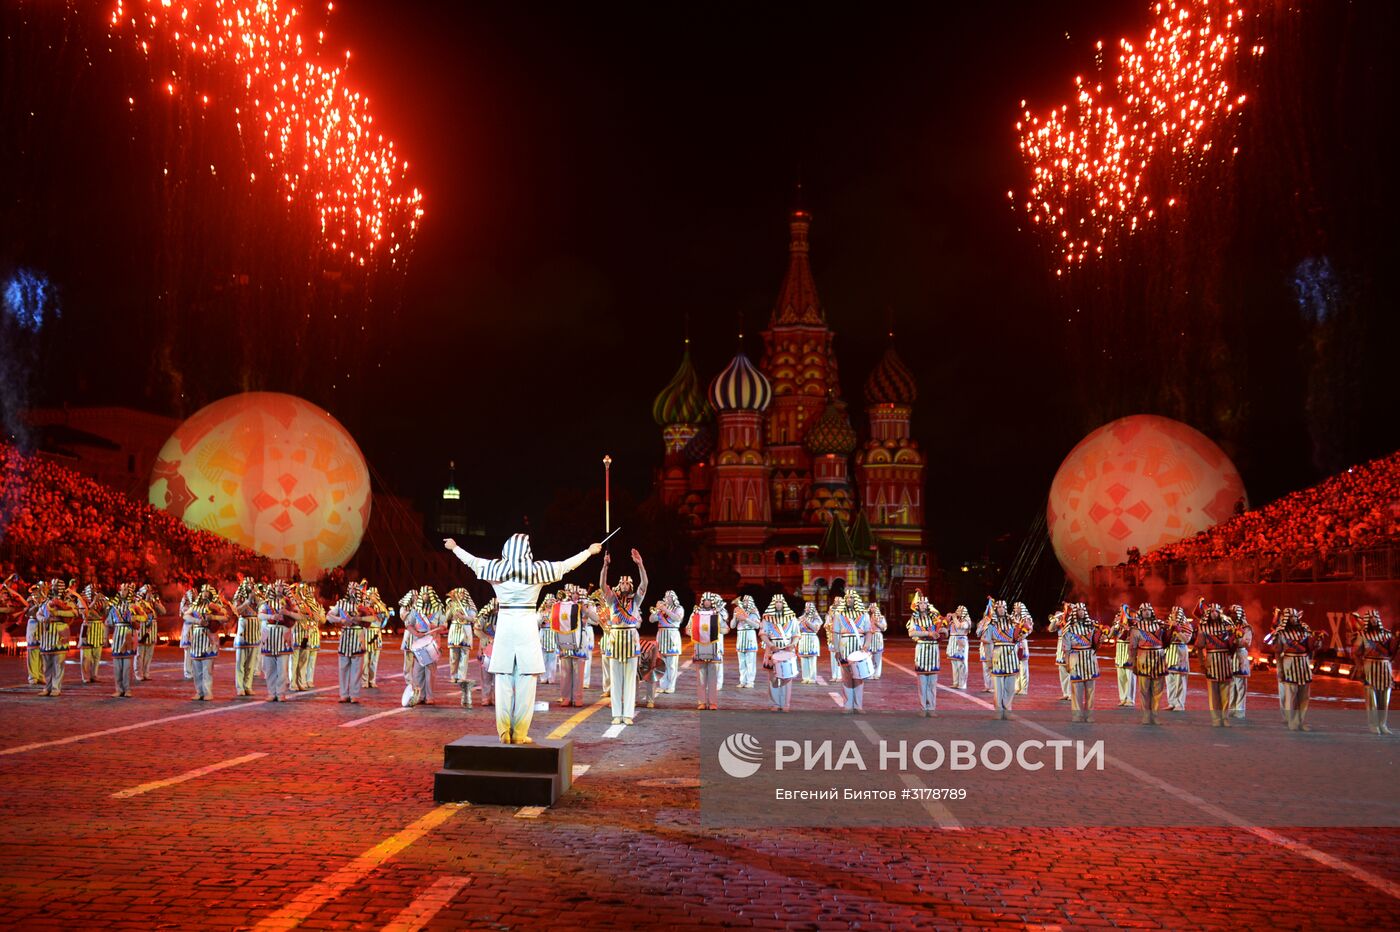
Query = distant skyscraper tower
x=452 y=514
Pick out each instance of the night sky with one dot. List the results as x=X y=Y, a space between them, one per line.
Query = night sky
x=596 y=176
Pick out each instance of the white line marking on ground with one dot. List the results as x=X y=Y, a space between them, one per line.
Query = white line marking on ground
x=614 y=730
x=1388 y=887
x=940 y=813
x=529 y=812
x=355 y=722
x=187 y=775
x=427 y=905
x=580 y=770
x=838 y=699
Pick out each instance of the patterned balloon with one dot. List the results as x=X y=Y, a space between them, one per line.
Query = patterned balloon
x=272 y=472
x=1142 y=481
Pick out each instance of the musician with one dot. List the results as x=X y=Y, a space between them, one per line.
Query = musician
x=747 y=620
x=959 y=627
x=461 y=612
x=984 y=651
x=853 y=637
x=589 y=641
x=56 y=613
x=307 y=638
x=927 y=627
x=1056 y=626
x=708 y=621
x=1294 y=644
x=1149 y=642
x=206 y=618
x=485 y=643
x=779 y=636
x=12 y=608
x=668 y=615
x=33 y=656
x=1121 y=633
x=186 y=600
x=92 y=634
x=809 y=641
x=406 y=606
x=277 y=615
x=548 y=643
x=355 y=615
x=651 y=671
x=374 y=637
x=148 y=634
x=516 y=657
x=1003 y=635
x=1374 y=650
x=878 y=627
x=570 y=618
x=831 y=639
x=1082 y=636
x=1216 y=636
x=1178 y=657
x=1022 y=616
x=427 y=620
x=1239 y=689
x=246 y=637
x=604 y=656
x=625 y=618
x=122 y=623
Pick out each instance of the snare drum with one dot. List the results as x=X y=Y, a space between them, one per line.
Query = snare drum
x=785 y=665
x=427 y=652
x=861 y=665
x=706 y=651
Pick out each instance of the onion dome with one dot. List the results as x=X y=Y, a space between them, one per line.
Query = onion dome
x=681 y=401
x=741 y=387
x=832 y=431
x=890 y=381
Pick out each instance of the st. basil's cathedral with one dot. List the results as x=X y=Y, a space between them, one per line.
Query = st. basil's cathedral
x=760 y=464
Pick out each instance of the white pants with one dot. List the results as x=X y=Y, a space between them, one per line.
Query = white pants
x=1064 y=679
x=91 y=658
x=350 y=668
x=673 y=672
x=809 y=669
x=928 y=691
x=1378 y=708
x=878 y=657
x=203 y=677
x=1218 y=698
x=1081 y=699
x=1293 y=697
x=145 y=653
x=1176 y=692
x=959 y=673
x=423 y=681
x=707 y=682
x=570 y=679
x=607 y=673
x=274 y=669
x=488 y=683
x=748 y=668
x=624 y=687
x=53 y=672
x=458 y=658
x=370 y=670
x=855 y=689
x=1127 y=685
x=515 y=704
x=588 y=669
x=551 y=666
x=1238 y=690
x=1005 y=691
x=835 y=664
x=245 y=660
x=1150 y=690
x=719 y=670
x=780 y=692
x=121 y=675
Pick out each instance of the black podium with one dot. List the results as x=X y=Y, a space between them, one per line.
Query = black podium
x=479 y=769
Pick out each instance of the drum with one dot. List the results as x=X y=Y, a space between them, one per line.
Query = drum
x=861 y=664
x=706 y=652
x=785 y=665
x=426 y=652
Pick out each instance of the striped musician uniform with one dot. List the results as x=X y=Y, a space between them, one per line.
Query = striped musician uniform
x=1150 y=657
x=747 y=639
x=1377 y=671
x=1218 y=650
x=1374 y=648
x=668 y=641
x=203 y=644
x=1295 y=660
x=276 y=649
x=1006 y=659
x=354 y=640
x=548 y=642
x=203 y=648
x=123 y=633
x=350 y=653
x=926 y=656
x=53 y=645
x=1081 y=654
x=622 y=642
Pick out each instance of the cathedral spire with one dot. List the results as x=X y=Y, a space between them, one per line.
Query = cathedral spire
x=798 y=304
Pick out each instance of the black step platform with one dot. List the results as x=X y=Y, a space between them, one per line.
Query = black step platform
x=479 y=769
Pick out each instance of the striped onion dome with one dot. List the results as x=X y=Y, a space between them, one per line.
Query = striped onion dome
x=890 y=381
x=832 y=431
x=741 y=387
x=681 y=401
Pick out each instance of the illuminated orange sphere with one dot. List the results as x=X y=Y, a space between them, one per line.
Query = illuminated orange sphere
x=1142 y=481
x=271 y=472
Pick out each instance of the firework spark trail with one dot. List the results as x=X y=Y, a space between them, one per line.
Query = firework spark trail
x=316 y=133
x=1122 y=151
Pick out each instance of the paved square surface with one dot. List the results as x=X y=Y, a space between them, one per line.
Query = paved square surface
x=158 y=812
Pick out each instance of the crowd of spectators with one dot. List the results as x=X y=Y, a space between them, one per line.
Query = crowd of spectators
x=1354 y=510
x=56 y=522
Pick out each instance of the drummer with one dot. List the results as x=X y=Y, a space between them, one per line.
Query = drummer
x=709 y=620
x=852 y=627
x=778 y=635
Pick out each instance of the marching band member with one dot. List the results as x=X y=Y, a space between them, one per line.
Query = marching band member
x=927 y=627
x=1003 y=634
x=852 y=624
x=548 y=643
x=1082 y=635
x=1121 y=631
x=588 y=638
x=33 y=657
x=831 y=650
x=708 y=622
x=423 y=625
x=485 y=643
x=186 y=601
x=276 y=616
x=147 y=608
x=516 y=658
x=1178 y=657
x=625 y=618
x=12 y=607
x=55 y=615
x=1022 y=616
x=1239 y=689
x=1056 y=627
x=667 y=615
x=204 y=618
x=604 y=657
x=1216 y=636
x=1148 y=643
x=374 y=637
x=123 y=625
x=571 y=617
x=809 y=641
x=92 y=634
x=308 y=637
x=246 y=637
x=406 y=606
x=779 y=634
x=651 y=671
x=355 y=615
x=878 y=627
x=984 y=651
x=461 y=613
x=1294 y=644
x=1374 y=650
x=959 y=627
x=747 y=620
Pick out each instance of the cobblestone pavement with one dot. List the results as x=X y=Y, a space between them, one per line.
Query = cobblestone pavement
x=285 y=818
